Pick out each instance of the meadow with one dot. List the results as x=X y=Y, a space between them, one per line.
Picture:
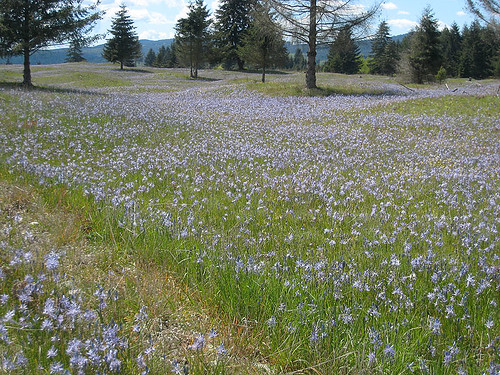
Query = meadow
x=150 y=223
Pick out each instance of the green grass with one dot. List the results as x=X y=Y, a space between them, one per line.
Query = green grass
x=449 y=106
x=298 y=89
x=81 y=80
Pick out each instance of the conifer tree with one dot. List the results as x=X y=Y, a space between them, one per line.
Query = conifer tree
x=75 y=53
x=161 y=57
x=150 y=58
x=124 y=46
x=479 y=48
x=192 y=37
x=263 y=44
x=26 y=26
x=233 y=19
x=344 y=56
x=385 y=56
x=425 y=55
x=451 y=41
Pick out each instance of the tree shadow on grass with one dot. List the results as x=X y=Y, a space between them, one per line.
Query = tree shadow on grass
x=349 y=91
x=259 y=71
x=34 y=88
x=133 y=70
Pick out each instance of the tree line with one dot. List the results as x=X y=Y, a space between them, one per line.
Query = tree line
x=251 y=33
x=425 y=54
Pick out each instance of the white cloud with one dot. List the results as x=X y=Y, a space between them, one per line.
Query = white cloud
x=153 y=18
x=154 y=35
x=402 y=23
x=389 y=6
x=183 y=13
x=403 y=12
x=146 y=3
x=461 y=13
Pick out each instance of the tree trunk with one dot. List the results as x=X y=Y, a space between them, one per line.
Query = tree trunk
x=27 y=68
x=311 y=54
x=121 y=65
x=264 y=74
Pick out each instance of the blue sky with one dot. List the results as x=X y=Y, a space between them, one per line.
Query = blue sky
x=156 y=19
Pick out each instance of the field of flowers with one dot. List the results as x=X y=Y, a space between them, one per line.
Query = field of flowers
x=339 y=234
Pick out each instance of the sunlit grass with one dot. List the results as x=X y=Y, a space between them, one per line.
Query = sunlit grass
x=341 y=231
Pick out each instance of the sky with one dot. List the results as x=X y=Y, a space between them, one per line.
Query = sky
x=156 y=19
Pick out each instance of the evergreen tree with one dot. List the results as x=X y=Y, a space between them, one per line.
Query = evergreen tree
x=74 y=53
x=193 y=37
x=233 y=19
x=170 y=56
x=480 y=47
x=161 y=58
x=425 y=56
x=263 y=44
x=385 y=56
x=451 y=41
x=124 y=46
x=26 y=26
x=150 y=58
x=344 y=56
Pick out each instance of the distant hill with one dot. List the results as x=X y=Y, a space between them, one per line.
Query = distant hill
x=94 y=54
x=365 y=47
x=91 y=54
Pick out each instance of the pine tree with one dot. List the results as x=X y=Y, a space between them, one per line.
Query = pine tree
x=451 y=41
x=124 y=46
x=233 y=19
x=192 y=37
x=161 y=58
x=75 y=53
x=344 y=56
x=26 y=26
x=385 y=55
x=479 y=49
x=263 y=44
x=150 y=58
x=425 y=56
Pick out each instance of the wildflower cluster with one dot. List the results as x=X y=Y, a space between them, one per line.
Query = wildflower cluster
x=46 y=325
x=334 y=225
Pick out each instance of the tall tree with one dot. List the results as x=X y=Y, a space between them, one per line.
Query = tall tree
x=317 y=22
x=344 y=56
x=451 y=44
x=233 y=19
x=150 y=57
x=193 y=37
x=75 y=53
x=425 y=56
x=124 y=46
x=480 y=47
x=263 y=44
x=299 y=62
x=385 y=54
x=28 y=25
